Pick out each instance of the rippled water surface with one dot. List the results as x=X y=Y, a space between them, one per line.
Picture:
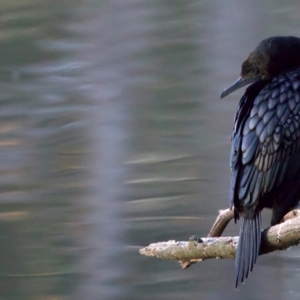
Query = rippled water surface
x=113 y=136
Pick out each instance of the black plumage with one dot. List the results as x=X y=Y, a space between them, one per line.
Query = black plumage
x=265 y=150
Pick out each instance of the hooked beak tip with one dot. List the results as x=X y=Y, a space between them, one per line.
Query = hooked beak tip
x=223 y=94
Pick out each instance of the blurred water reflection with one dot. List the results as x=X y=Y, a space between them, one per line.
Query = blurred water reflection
x=112 y=136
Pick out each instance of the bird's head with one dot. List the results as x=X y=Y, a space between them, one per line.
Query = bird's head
x=270 y=58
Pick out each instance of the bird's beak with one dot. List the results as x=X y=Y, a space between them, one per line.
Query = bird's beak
x=238 y=84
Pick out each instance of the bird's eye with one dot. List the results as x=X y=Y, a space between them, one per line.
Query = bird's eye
x=254 y=71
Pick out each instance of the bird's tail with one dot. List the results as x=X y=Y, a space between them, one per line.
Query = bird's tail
x=248 y=247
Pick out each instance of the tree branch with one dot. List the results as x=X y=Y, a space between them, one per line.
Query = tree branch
x=278 y=237
x=224 y=217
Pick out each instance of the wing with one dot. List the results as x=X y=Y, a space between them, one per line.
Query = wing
x=266 y=134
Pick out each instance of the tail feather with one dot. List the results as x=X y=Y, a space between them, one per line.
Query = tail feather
x=246 y=255
x=248 y=247
x=253 y=253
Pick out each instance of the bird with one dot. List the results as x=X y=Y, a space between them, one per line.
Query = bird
x=265 y=143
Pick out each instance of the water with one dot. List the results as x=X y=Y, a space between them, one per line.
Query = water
x=113 y=136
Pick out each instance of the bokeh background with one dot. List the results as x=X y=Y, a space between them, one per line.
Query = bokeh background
x=113 y=136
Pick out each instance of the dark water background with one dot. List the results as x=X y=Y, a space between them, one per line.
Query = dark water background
x=113 y=136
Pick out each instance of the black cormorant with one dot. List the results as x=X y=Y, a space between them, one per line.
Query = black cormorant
x=265 y=149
